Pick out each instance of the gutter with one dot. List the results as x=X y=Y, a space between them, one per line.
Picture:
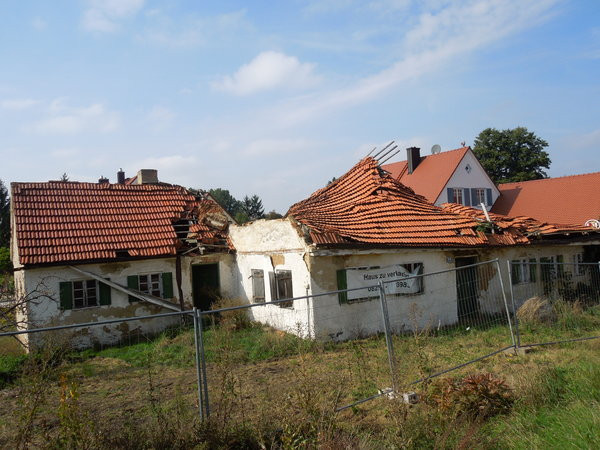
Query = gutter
x=137 y=294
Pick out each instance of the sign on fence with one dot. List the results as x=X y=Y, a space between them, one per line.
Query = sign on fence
x=391 y=275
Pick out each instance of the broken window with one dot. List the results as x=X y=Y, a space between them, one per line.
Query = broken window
x=258 y=285
x=281 y=287
x=85 y=293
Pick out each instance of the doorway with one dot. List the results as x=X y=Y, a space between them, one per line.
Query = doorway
x=205 y=285
x=467 y=283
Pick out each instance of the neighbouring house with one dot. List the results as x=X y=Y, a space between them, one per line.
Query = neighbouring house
x=85 y=252
x=453 y=176
x=570 y=199
x=367 y=221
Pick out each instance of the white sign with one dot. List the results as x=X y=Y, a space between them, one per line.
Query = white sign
x=392 y=276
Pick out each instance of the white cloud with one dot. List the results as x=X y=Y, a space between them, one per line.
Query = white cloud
x=18 y=103
x=269 y=70
x=104 y=15
x=63 y=119
x=437 y=38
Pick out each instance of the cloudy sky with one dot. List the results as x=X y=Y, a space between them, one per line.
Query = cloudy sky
x=276 y=98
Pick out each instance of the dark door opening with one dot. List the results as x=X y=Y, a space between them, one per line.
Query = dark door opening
x=205 y=285
x=467 y=283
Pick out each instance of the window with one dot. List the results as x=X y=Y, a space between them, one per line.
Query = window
x=524 y=270
x=281 y=287
x=479 y=196
x=258 y=285
x=83 y=294
x=578 y=268
x=155 y=284
x=416 y=268
x=457 y=196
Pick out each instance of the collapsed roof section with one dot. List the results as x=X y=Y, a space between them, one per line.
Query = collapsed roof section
x=367 y=207
x=68 y=222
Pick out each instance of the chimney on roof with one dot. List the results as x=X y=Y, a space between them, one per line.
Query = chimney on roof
x=413 y=158
x=147 y=176
x=103 y=180
x=121 y=176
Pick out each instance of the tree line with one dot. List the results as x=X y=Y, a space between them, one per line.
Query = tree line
x=245 y=210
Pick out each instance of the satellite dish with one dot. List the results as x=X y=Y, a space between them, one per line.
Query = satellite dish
x=436 y=149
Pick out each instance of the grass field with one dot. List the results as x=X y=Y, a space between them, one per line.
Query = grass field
x=270 y=389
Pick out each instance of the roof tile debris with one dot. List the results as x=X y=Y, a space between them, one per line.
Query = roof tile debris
x=62 y=222
x=367 y=206
x=570 y=199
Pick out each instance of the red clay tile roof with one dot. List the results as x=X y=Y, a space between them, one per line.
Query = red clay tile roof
x=431 y=175
x=62 y=222
x=571 y=199
x=368 y=207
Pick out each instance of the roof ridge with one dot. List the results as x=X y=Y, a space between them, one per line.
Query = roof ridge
x=432 y=154
x=551 y=178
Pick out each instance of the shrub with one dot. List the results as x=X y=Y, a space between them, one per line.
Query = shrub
x=476 y=396
x=232 y=320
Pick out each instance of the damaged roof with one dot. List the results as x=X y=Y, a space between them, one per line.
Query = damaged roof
x=368 y=207
x=66 y=222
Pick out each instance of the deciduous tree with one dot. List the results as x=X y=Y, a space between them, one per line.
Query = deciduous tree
x=512 y=155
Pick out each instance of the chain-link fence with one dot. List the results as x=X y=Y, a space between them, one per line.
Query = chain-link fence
x=554 y=301
x=268 y=362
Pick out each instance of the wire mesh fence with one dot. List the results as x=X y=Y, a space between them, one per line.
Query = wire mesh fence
x=275 y=361
x=63 y=393
x=554 y=301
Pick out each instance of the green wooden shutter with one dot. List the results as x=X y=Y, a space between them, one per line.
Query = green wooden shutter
x=342 y=283
x=66 y=295
x=104 y=293
x=167 y=282
x=133 y=283
x=515 y=274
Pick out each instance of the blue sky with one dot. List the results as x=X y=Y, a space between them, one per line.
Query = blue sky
x=276 y=98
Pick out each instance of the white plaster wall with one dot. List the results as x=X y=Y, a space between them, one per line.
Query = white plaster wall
x=48 y=313
x=272 y=245
x=436 y=306
x=461 y=179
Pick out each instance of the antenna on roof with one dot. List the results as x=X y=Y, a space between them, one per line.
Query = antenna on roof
x=382 y=150
x=387 y=152
x=372 y=150
x=391 y=156
x=436 y=149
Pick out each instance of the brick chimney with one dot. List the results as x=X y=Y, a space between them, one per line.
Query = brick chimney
x=147 y=176
x=413 y=158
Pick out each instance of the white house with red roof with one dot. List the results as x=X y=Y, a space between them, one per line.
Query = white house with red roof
x=85 y=252
x=453 y=176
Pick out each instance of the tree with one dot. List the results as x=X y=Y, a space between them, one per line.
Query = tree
x=64 y=177
x=512 y=155
x=226 y=200
x=253 y=207
x=273 y=215
x=4 y=216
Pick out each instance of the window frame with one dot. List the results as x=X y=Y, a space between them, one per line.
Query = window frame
x=525 y=270
x=149 y=283
x=481 y=196
x=84 y=291
x=277 y=276
x=456 y=193
x=578 y=267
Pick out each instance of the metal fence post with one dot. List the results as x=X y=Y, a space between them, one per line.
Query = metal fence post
x=388 y=334
x=203 y=364
x=512 y=334
x=197 y=340
x=512 y=299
